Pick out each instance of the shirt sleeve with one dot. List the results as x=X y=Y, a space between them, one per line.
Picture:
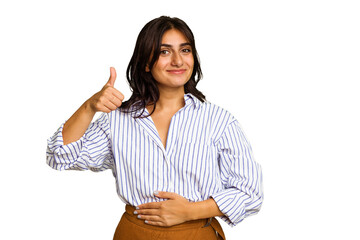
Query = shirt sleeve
x=241 y=177
x=91 y=152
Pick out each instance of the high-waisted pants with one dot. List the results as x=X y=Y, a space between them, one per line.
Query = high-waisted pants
x=132 y=228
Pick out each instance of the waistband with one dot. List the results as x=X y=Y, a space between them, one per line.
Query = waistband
x=195 y=224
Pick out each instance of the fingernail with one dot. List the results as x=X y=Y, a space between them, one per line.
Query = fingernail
x=146 y=221
x=137 y=208
x=135 y=212
x=156 y=193
x=138 y=216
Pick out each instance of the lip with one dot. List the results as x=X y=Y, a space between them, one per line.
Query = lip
x=176 y=71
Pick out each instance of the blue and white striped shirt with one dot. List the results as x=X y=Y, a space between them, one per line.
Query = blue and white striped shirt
x=206 y=155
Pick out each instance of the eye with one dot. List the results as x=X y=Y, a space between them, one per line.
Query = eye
x=164 y=52
x=186 y=50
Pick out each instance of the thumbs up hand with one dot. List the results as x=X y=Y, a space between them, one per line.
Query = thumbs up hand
x=108 y=98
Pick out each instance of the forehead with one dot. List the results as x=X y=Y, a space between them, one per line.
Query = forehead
x=174 y=37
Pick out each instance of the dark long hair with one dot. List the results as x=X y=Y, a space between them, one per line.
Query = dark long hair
x=147 y=50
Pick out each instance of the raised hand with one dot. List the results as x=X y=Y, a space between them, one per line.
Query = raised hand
x=108 y=98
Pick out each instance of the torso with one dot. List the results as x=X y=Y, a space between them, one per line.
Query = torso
x=188 y=166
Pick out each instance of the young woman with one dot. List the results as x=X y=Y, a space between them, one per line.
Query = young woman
x=178 y=160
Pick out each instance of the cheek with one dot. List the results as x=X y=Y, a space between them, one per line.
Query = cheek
x=157 y=71
x=155 y=68
x=191 y=65
x=159 y=66
x=190 y=62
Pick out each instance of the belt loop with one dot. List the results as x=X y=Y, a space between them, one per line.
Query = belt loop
x=208 y=222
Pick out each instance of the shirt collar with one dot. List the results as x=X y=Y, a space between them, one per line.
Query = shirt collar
x=191 y=100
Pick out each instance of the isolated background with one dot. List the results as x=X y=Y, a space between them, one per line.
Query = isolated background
x=288 y=70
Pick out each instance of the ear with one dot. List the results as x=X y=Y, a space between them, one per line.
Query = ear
x=147 y=69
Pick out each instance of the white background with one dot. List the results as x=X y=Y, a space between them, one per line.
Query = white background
x=288 y=71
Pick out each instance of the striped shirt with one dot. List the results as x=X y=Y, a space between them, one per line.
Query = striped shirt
x=206 y=155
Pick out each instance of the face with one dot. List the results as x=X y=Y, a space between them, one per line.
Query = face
x=176 y=62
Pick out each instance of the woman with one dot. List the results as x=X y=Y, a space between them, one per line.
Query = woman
x=178 y=160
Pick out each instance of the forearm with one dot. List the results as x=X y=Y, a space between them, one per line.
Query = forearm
x=78 y=123
x=204 y=209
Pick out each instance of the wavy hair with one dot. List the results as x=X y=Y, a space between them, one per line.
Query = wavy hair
x=147 y=50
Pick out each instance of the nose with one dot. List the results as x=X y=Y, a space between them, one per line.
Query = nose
x=176 y=60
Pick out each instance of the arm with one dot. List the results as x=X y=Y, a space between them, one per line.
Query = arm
x=240 y=174
x=80 y=144
x=75 y=127
x=205 y=209
x=106 y=100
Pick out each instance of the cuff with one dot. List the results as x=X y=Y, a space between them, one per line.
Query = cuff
x=60 y=156
x=229 y=204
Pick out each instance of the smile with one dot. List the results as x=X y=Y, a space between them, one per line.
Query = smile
x=177 y=71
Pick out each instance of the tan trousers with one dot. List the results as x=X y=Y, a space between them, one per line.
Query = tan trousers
x=132 y=228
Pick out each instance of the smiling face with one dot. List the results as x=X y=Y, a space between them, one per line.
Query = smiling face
x=175 y=64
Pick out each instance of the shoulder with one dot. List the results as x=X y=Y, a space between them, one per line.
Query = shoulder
x=217 y=118
x=216 y=113
x=206 y=106
x=119 y=115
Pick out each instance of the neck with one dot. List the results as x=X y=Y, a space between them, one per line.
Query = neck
x=170 y=100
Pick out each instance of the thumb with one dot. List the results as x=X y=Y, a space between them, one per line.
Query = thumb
x=112 y=77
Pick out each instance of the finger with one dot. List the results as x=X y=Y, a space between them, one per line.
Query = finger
x=117 y=94
x=103 y=109
x=112 y=77
x=148 y=212
x=167 y=195
x=110 y=91
x=110 y=94
x=150 y=218
x=111 y=106
x=151 y=205
x=116 y=101
x=155 y=223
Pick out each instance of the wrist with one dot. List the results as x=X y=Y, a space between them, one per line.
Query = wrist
x=88 y=108
x=193 y=211
x=204 y=209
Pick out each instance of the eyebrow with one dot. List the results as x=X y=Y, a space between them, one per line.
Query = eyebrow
x=170 y=46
